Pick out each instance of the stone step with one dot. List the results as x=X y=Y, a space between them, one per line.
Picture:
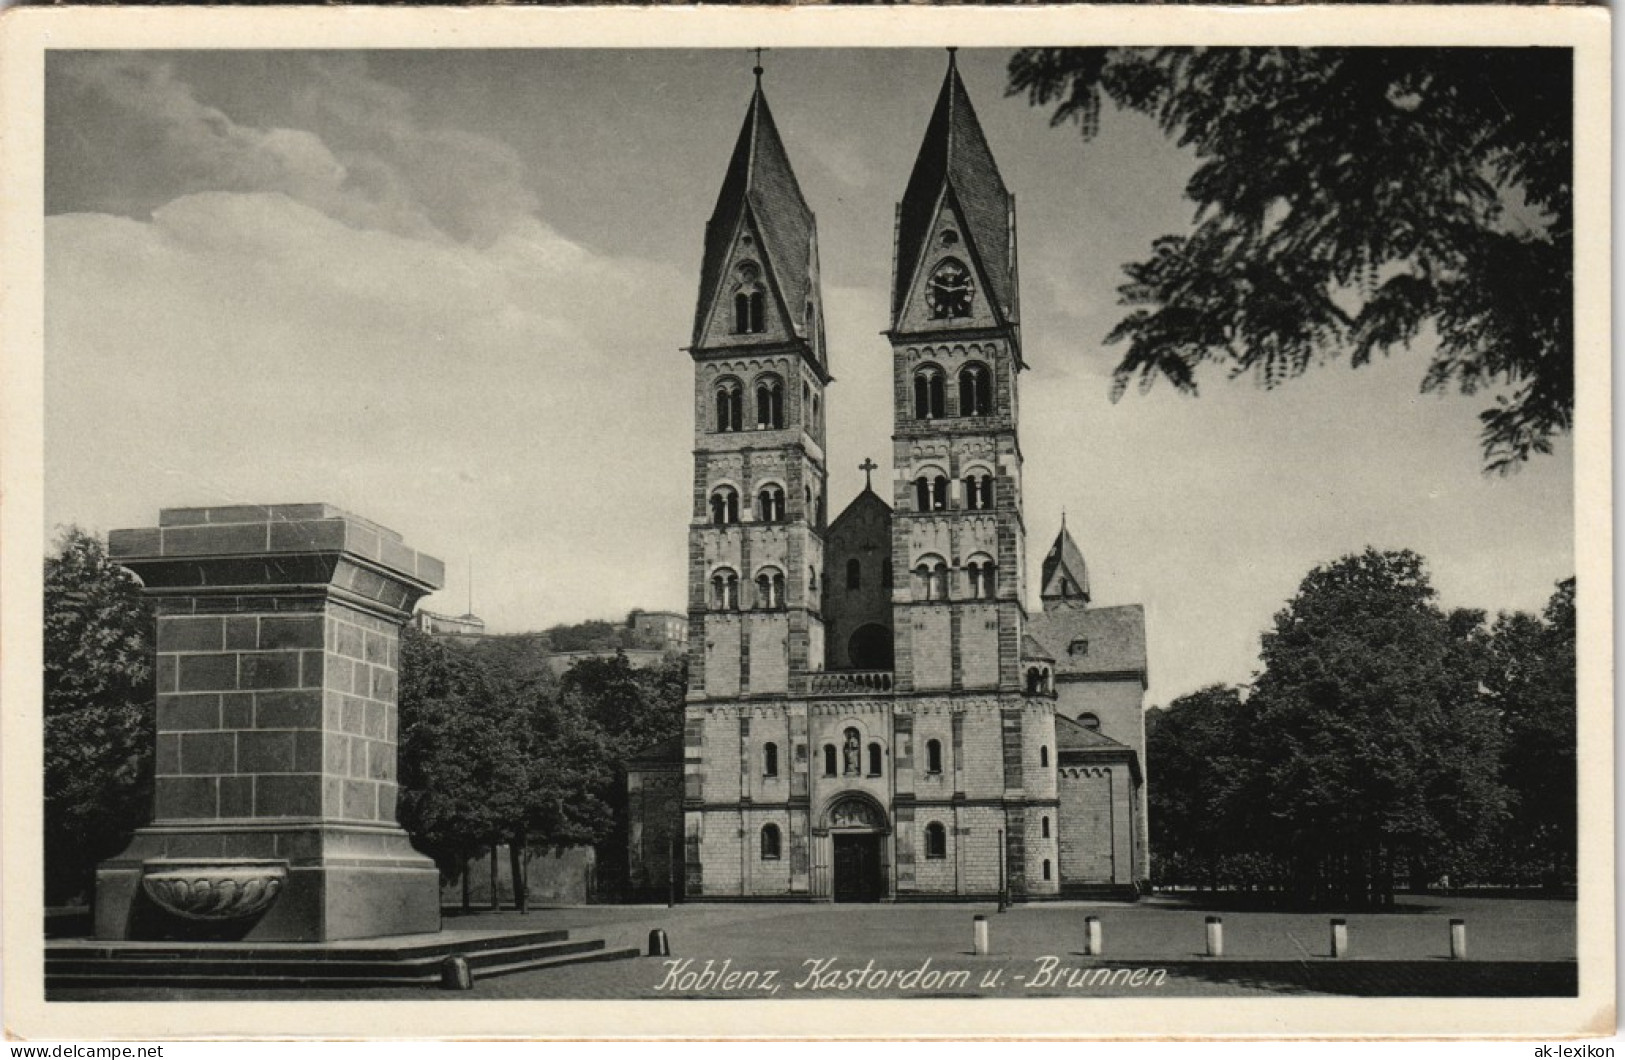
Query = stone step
x=263 y=966
x=554 y=962
x=339 y=951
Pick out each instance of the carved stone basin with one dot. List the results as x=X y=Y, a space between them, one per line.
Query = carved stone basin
x=214 y=889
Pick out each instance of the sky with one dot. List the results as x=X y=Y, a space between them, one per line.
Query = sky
x=450 y=291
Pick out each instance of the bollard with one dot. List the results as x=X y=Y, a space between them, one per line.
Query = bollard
x=979 y=935
x=1340 y=938
x=1091 y=936
x=1215 y=937
x=455 y=973
x=659 y=946
x=1458 y=939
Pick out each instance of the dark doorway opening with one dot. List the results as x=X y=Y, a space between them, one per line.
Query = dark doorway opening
x=857 y=868
x=870 y=648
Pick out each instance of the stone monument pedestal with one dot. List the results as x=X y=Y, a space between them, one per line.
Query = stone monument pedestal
x=275 y=789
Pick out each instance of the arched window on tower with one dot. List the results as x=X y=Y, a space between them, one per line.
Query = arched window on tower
x=829 y=760
x=1043 y=761
x=730 y=405
x=933 y=756
x=975 y=391
x=854 y=573
x=875 y=756
x=770 y=505
x=770 y=842
x=984 y=578
x=931 y=579
x=724 y=590
x=936 y=841
x=939 y=493
x=930 y=394
x=724 y=506
x=1043 y=823
x=769 y=403
x=885 y=573
x=978 y=492
x=770 y=589
x=749 y=302
x=770 y=761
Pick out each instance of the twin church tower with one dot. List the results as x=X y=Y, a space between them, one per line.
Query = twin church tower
x=872 y=713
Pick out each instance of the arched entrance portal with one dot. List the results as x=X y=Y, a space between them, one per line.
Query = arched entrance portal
x=857 y=827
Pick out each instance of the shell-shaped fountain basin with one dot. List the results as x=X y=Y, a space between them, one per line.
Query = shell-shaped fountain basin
x=214 y=889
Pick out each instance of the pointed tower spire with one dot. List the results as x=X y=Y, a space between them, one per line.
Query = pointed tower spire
x=762 y=228
x=955 y=170
x=1065 y=575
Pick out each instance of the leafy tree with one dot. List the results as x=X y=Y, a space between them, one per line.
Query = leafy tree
x=1380 y=749
x=1204 y=797
x=634 y=709
x=1349 y=200
x=99 y=722
x=462 y=767
x=1531 y=675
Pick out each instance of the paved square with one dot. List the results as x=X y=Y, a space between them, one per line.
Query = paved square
x=1153 y=949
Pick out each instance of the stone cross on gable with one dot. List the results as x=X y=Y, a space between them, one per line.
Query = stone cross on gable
x=867 y=467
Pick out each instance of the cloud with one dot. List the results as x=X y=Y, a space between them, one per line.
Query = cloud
x=352 y=150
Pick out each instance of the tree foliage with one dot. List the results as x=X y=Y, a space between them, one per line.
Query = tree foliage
x=1375 y=726
x=1531 y=674
x=495 y=750
x=99 y=721
x=1349 y=201
x=1384 y=738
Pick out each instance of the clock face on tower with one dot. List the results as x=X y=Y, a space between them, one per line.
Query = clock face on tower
x=949 y=291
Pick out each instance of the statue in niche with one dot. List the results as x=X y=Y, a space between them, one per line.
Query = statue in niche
x=850 y=752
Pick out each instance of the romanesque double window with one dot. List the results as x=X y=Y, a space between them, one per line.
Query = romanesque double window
x=770 y=589
x=975 y=391
x=930 y=394
x=931 y=493
x=936 y=841
x=724 y=590
x=730 y=405
x=769 y=403
x=984 y=578
x=931 y=579
x=978 y=492
x=933 y=756
x=1038 y=681
x=770 y=842
x=770 y=505
x=724 y=506
x=750 y=301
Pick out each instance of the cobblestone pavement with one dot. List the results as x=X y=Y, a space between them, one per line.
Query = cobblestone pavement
x=1154 y=948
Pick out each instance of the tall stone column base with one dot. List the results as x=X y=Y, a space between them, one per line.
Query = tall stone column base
x=274 y=790
x=333 y=881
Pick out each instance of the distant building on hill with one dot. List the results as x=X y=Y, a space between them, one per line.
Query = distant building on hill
x=438 y=625
x=663 y=630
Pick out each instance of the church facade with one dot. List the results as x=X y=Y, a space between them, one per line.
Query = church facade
x=873 y=712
